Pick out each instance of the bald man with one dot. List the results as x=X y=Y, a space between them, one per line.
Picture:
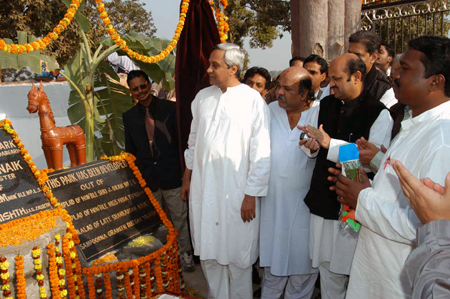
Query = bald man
x=343 y=117
x=285 y=218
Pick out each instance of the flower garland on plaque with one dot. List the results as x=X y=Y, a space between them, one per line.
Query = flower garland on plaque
x=138 y=278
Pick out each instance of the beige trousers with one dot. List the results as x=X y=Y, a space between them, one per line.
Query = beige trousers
x=178 y=215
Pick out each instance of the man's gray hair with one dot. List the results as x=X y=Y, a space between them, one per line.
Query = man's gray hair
x=234 y=55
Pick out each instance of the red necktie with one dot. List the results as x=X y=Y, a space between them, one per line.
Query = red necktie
x=150 y=127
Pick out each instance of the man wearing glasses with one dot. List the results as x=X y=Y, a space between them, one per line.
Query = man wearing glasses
x=151 y=135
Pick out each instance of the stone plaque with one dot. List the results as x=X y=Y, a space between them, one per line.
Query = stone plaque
x=20 y=194
x=107 y=205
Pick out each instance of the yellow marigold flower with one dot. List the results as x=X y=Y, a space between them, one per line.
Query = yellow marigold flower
x=4 y=275
x=62 y=282
x=5 y=287
x=40 y=277
x=42 y=292
x=62 y=272
x=4 y=265
x=63 y=293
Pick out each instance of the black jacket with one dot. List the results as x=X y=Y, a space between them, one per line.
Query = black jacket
x=375 y=84
x=347 y=121
x=162 y=169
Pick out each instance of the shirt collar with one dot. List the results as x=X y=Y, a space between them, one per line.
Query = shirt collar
x=433 y=113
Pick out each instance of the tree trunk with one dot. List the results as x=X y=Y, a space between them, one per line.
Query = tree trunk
x=323 y=26
x=352 y=18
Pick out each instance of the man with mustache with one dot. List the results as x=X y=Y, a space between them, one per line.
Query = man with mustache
x=151 y=135
x=345 y=116
x=285 y=218
x=388 y=231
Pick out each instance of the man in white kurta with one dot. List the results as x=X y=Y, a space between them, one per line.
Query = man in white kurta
x=284 y=241
x=331 y=246
x=228 y=165
x=388 y=232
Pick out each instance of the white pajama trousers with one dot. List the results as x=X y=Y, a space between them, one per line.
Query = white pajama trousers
x=332 y=285
x=227 y=281
x=297 y=286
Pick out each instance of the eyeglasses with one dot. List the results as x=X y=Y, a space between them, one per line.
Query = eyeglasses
x=142 y=86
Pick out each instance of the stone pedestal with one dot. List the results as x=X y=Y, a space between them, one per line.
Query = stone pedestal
x=323 y=26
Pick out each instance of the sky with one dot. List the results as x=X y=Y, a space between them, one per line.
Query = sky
x=165 y=15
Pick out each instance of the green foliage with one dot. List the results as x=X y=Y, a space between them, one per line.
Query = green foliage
x=32 y=60
x=97 y=101
x=261 y=20
x=38 y=17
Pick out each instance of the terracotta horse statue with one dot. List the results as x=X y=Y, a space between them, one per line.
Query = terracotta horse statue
x=53 y=137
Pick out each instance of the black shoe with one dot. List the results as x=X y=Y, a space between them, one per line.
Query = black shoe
x=257 y=293
x=255 y=276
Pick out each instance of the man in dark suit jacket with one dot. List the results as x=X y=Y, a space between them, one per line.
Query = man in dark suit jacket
x=151 y=135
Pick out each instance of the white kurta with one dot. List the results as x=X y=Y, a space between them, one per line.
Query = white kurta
x=328 y=241
x=229 y=155
x=284 y=234
x=388 y=232
x=389 y=99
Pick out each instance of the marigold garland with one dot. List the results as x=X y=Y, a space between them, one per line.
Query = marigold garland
x=68 y=266
x=21 y=230
x=42 y=43
x=53 y=270
x=37 y=261
x=98 y=286
x=123 y=44
x=120 y=284
x=4 y=274
x=127 y=283
x=222 y=20
x=75 y=287
x=20 y=278
x=61 y=271
x=41 y=178
x=107 y=283
x=91 y=285
x=148 y=284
